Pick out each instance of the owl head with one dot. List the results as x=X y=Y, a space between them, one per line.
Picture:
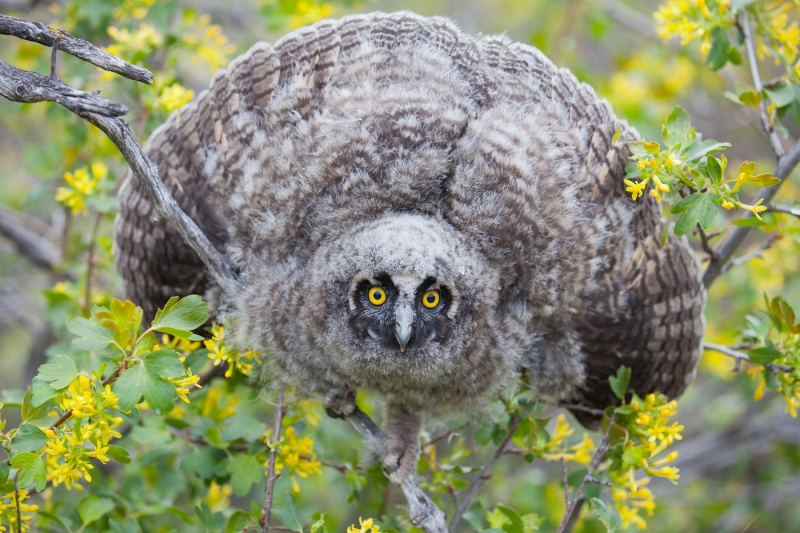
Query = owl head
x=402 y=305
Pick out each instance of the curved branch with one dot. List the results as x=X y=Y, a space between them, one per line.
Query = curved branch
x=43 y=34
x=40 y=250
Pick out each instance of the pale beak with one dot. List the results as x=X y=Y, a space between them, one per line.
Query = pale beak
x=404 y=317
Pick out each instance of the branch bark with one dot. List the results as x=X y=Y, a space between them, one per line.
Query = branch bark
x=273 y=452
x=734 y=239
x=40 y=250
x=43 y=34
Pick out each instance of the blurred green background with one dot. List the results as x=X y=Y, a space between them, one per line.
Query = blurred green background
x=739 y=459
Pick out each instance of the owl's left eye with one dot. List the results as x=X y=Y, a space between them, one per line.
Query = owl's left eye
x=377 y=295
x=430 y=299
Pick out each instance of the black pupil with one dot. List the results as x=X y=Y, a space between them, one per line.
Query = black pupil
x=376 y=295
x=431 y=298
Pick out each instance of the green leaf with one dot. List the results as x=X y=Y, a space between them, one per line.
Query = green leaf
x=130 y=526
x=29 y=438
x=765 y=354
x=750 y=98
x=237 y=522
x=179 y=317
x=782 y=95
x=748 y=222
x=120 y=455
x=718 y=55
x=677 y=126
x=31 y=470
x=637 y=148
x=633 y=455
x=34 y=413
x=695 y=209
x=149 y=379
x=91 y=508
x=61 y=373
x=3 y=473
x=616 y=136
x=288 y=515
x=245 y=470
x=703 y=148
x=42 y=392
x=212 y=522
x=474 y=516
x=714 y=169
x=619 y=384
x=92 y=336
x=608 y=515
x=515 y=525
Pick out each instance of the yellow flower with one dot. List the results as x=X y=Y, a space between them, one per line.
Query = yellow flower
x=365 y=526
x=297 y=456
x=308 y=12
x=8 y=511
x=211 y=45
x=755 y=209
x=183 y=383
x=635 y=188
x=145 y=39
x=219 y=352
x=80 y=184
x=218 y=497
x=173 y=97
x=659 y=184
x=727 y=205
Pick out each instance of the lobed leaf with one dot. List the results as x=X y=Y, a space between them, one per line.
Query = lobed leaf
x=92 y=336
x=61 y=373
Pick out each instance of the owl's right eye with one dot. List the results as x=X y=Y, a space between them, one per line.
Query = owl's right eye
x=377 y=296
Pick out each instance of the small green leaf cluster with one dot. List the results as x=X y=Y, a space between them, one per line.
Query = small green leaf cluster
x=686 y=170
x=775 y=341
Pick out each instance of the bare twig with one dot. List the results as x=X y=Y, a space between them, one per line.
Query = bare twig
x=788 y=209
x=751 y=523
x=29 y=87
x=734 y=239
x=41 y=33
x=444 y=434
x=485 y=473
x=273 y=451
x=90 y=262
x=18 y=505
x=40 y=250
x=565 y=479
x=740 y=356
x=706 y=245
x=577 y=407
x=598 y=457
x=766 y=244
x=769 y=130
x=423 y=512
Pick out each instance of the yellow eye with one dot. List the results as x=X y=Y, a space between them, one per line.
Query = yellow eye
x=430 y=299
x=377 y=296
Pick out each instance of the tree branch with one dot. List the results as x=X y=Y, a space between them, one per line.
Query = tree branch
x=734 y=239
x=788 y=209
x=766 y=244
x=41 y=33
x=273 y=451
x=423 y=512
x=40 y=250
x=485 y=473
x=596 y=460
x=740 y=356
x=769 y=130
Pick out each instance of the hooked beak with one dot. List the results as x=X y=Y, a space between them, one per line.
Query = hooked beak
x=404 y=317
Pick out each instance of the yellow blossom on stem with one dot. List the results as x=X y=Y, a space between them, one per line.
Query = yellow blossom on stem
x=219 y=352
x=173 y=97
x=365 y=526
x=635 y=188
x=297 y=455
x=80 y=184
x=8 y=511
x=755 y=209
x=183 y=383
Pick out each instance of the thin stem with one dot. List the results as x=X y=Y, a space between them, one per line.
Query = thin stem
x=442 y=435
x=108 y=381
x=739 y=357
x=706 y=245
x=565 y=479
x=18 y=505
x=90 y=260
x=485 y=473
x=273 y=451
x=764 y=246
x=788 y=209
x=774 y=140
x=598 y=457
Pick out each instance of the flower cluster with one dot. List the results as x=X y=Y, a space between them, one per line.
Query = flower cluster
x=173 y=97
x=137 y=9
x=648 y=432
x=79 y=185
x=692 y=19
x=68 y=456
x=653 y=165
x=207 y=41
x=296 y=455
x=365 y=526
x=88 y=399
x=136 y=44
x=556 y=449
x=219 y=351
x=781 y=33
x=8 y=511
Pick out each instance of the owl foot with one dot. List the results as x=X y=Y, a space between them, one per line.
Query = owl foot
x=339 y=403
x=402 y=456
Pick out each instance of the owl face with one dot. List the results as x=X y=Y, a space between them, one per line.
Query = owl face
x=402 y=296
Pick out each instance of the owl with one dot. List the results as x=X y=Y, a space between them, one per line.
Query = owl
x=423 y=214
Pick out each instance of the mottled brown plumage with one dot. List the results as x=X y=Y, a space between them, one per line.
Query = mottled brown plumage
x=396 y=151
